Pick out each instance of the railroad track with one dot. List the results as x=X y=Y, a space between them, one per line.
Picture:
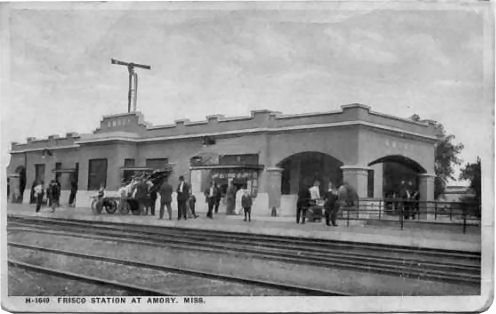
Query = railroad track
x=214 y=281
x=130 y=288
x=428 y=264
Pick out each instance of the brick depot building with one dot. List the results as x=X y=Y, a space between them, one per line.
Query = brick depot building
x=270 y=153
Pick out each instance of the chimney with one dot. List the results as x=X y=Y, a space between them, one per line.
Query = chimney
x=214 y=118
x=30 y=139
x=181 y=122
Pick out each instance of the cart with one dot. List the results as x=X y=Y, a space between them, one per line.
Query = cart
x=315 y=211
x=123 y=201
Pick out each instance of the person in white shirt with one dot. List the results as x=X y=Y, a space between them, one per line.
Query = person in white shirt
x=315 y=192
x=239 y=195
x=38 y=194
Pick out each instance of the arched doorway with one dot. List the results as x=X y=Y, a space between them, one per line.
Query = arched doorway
x=302 y=169
x=395 y=171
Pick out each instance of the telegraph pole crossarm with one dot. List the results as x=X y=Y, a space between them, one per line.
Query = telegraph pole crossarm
x=133 y=81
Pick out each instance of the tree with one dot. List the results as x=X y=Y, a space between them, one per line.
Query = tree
x=446 y=156
x=472 y=173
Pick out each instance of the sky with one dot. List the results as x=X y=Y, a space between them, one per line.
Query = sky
x=227 y=58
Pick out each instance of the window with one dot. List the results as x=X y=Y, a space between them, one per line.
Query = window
x=129 y=162
x=39 y=170
x=128 y=174
x=75 y=175
x=157 y=163
x=97 y=173
x=58 y=166
x=244 y=159
x=370 y=183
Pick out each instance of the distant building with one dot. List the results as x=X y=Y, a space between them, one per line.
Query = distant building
x=272 y=154
x=455 y=193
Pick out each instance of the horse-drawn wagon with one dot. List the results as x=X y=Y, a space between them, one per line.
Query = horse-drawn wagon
x=123 y=201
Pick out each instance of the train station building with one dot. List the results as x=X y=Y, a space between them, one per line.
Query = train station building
x=272 y=154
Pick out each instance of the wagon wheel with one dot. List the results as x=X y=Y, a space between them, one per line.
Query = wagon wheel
x=110 y=206
x=96 y=207
x=124 y=207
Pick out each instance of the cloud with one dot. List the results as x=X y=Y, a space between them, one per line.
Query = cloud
x=360 y=45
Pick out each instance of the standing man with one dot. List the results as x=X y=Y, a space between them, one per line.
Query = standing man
x=55 y=191
x=302 y=204
x=315 y=192
x=58 y=189
x=152 y=197
x=412 y=195
x=211 y=197
x=331 y=205
x=72 y=196
x=182 y=198
x=218 y=196
x=165 y=199
x=246 y=203
x=38 y=194
x=405 y=204
x=141 y=196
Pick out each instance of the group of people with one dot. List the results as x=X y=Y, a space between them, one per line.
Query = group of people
x=213 y=195
x=405 y=200
x=146 y=193
x=309 y=197
x=52 y=193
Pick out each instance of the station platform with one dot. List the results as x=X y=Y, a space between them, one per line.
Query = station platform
x=434 y=238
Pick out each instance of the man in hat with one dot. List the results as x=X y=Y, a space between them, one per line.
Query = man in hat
x=165 y=199
x=182 y=198
x=211 y=196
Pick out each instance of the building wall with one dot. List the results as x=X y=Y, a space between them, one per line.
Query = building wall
x=334 y=133
x=375 y=144
x=339 y=142
x=178 y=152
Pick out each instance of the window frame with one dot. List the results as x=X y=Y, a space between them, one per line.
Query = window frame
x=91 y=175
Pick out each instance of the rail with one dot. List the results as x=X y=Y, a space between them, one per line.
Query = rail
x=405 y=212
x=427 y=264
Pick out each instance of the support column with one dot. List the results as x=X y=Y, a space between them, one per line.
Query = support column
x=378 y=179
x=196 y=181
x=426 y=194
x=14 y=188
x=274 y=187
x=426 y=186
x=356 y=176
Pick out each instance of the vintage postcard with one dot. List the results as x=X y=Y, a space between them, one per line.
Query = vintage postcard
x=247 y=156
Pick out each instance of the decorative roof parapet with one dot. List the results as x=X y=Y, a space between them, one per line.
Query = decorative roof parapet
x=127 y=125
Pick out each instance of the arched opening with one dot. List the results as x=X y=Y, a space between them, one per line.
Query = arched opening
x=397 y=172
x=302 y=169
x=21 y=170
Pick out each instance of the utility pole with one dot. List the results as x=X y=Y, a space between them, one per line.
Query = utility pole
x=133 y=81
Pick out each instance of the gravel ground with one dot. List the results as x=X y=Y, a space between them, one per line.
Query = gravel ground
x=356 y=283
x=24 y=282
x=168 y=282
